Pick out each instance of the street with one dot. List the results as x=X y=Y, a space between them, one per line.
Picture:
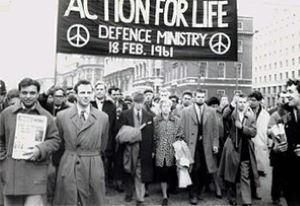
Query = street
x=181 y=198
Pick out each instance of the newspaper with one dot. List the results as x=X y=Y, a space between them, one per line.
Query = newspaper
x=30 y=131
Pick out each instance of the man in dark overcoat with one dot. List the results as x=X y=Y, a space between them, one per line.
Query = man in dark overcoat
x=137 y=117
x=238 y=158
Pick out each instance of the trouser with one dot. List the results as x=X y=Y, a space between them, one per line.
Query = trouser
x=51 y=183
x=231 y=191
x=199 y=174
x=24 y=200
x=291 y=188
x=135 y=181
x=245 y=182
x=277 y=182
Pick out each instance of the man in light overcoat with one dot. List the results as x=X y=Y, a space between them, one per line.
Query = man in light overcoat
x=201 y=132
x=80 y=177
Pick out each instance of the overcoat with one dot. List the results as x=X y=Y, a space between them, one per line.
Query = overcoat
x=24 y=177
x=261 y=139
x=80 y=173
x=210 y=133
x=147 y=143
x=231 y=156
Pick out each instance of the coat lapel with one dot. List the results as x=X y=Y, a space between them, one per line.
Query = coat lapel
x=130 y=118
x=74 y=117
x=205 y=114
x=193 y=113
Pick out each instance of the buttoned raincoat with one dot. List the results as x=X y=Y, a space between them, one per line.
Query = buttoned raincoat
x=81 y=172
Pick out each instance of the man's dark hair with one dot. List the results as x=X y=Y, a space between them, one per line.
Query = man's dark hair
x=212 y=101
x=200 y=91
x=241 y=95
x=81 y=82
x=59 y=88
x=113 y=88
x=295 y=82
x=29 y=82
x=257 y=95
x=187 y=93
x=174 y=96
x=282 y=92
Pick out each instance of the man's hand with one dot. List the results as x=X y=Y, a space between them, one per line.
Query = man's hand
x=282 y=147
x=33 y=153
x=238 y=124
x=215 y=150
x=297 y=150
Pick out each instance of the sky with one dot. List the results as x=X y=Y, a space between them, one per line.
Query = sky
x=28 y=35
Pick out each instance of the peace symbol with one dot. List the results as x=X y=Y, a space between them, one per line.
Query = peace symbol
x=78 y=35
x=219 y=43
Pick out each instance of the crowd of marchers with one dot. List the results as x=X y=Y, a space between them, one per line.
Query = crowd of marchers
x=95 y=138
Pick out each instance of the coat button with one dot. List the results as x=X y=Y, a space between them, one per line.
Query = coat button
x=77 y=162
x=78 y=145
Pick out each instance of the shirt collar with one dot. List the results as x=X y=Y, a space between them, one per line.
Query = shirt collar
x=87 y=110
x=20 y=106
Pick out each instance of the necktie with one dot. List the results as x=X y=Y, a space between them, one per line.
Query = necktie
x=82 y=117
x=138 y=116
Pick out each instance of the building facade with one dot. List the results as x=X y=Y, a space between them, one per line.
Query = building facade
x=277 y=51
x=133 y=74
x=216 y=77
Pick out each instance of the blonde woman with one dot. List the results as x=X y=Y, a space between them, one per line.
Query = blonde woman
x=167 y=130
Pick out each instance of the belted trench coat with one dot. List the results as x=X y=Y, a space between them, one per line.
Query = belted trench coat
x=81 y=172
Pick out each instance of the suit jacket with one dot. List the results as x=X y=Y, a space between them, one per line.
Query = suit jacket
x=80 y=171
x=147 y=143
x=210 y=135
x=110 y=109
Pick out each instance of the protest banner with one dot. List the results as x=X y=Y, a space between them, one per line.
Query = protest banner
x=170 y=29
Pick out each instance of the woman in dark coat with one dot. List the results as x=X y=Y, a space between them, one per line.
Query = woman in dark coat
x=167 y=130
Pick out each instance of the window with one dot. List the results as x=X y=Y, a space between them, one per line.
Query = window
x=203 y=69
x=275 y=65
x=286 y=63
x=275 y=77
x=240 y=46
x=259 y=79
x=265 y=78
x=157 y=72
x=221 y=69
x=298 y=73
x=293 y=74
x=280 y=76
x=286 y=75
x=270 y=77
x=240 y=25
x=239 y=70
x=280 y=63
x=293 y=61
x=255 y=80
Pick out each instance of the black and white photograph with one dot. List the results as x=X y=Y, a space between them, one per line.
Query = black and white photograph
x=150 y=102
